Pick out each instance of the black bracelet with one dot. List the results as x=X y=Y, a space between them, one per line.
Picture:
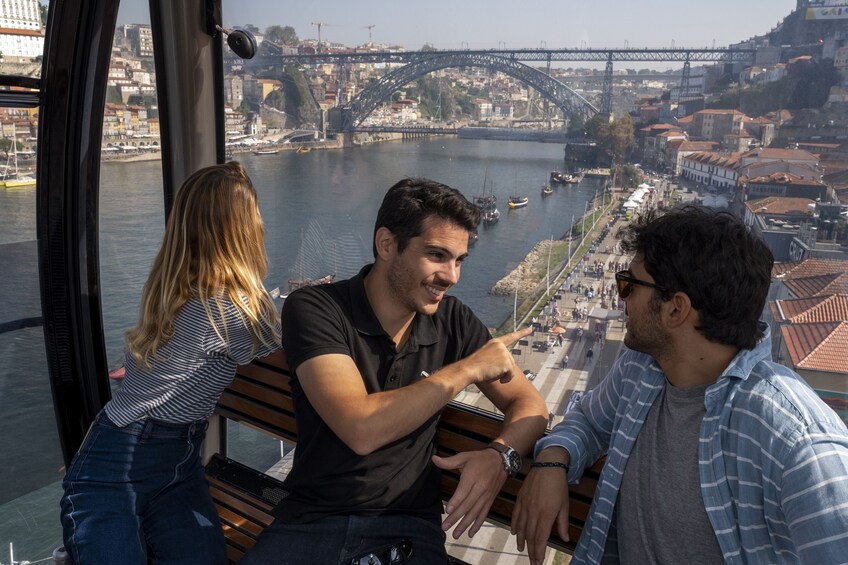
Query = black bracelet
x=550 y=464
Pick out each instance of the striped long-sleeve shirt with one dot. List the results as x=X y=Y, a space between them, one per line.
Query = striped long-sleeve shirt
x=191 y=369
x=773 y=458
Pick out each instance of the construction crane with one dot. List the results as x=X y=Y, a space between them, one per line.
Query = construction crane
x=369 y=28
x=319 y=25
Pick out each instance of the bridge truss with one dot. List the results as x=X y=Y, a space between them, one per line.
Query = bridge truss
x=705 y=55
x=570 y=102
x=510 y=62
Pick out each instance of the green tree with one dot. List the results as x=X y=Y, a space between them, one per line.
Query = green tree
x=282 y=35
x=630 y=176
x=576 y=125
x=813 y=84
x=621 y=136
x=614 y=138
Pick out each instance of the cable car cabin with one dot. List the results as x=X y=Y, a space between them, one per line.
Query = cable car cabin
x=119 y=103
x=119 y=113
x=260 y=397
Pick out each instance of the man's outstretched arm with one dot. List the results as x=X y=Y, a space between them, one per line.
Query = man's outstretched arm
x=366 y=422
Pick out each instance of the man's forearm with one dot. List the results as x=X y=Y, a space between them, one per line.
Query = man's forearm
x=525 y=421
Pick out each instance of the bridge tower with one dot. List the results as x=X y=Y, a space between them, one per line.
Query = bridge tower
x=606 y=90
x=343 y=96
x=683 y=91
x=546 y=109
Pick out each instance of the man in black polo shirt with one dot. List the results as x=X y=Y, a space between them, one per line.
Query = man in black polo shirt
x=374 y=360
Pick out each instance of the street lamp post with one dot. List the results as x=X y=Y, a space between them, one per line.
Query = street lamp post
x=515 y=310
x=583 y=225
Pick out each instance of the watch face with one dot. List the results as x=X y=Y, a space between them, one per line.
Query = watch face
x=513 y=461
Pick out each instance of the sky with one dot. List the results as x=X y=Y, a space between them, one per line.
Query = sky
x=491 y=24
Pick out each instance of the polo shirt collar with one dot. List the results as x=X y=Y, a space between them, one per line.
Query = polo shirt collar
x=424 y=331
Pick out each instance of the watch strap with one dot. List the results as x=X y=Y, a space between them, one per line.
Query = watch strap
x=499 y=447
x=505 y=452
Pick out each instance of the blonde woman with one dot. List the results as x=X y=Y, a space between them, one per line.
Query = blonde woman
x=135 y=492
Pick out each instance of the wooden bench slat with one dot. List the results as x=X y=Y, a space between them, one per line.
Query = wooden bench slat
x=237 y=521
x=278 y=379
x=258 y=392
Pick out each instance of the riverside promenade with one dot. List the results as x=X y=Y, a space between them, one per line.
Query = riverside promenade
x=555 y=382
x=494 y=545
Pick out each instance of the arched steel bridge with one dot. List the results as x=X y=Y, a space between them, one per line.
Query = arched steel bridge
x=561 y=95
x=508 y=61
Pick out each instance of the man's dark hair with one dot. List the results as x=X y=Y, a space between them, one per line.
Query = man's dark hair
x=409 y=202
x=722 y=266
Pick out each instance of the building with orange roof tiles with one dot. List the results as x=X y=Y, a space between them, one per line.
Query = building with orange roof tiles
x=823 y=308
x=834 y=283
x=819 y=353
x=809 y=268
x=711 y=168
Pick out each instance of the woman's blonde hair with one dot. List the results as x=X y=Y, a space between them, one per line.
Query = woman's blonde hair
x=213 y=250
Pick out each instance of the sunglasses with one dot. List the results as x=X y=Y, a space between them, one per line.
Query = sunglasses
x=625 y=283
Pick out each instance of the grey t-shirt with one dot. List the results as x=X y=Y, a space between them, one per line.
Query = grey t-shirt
x=661 y=516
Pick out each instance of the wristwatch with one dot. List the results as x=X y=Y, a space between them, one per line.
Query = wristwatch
x=511 y=458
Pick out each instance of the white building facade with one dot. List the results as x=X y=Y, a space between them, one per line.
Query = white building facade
x=21 y=34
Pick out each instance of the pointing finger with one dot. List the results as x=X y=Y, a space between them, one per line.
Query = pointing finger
x=512 y=337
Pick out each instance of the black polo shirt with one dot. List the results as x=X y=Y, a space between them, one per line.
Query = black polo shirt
x=327 y=477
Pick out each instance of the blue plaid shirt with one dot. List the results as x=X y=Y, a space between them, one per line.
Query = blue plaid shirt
x=773 y=458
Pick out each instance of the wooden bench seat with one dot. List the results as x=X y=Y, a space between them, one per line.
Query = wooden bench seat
x=260 y=397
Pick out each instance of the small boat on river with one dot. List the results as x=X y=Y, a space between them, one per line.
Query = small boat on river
x=302 y=150
x=266 y=152
x=517 y=202
x=547 y=190
x=491 y=216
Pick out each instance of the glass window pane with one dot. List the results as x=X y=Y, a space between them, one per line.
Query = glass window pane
x=33 y=467
x=132 y=217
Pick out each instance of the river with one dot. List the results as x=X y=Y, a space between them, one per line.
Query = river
x=319 y=210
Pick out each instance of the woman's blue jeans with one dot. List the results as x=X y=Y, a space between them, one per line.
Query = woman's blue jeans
x=138 y=494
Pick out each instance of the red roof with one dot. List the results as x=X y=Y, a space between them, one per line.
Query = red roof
x=783 y=154
x=17 y=31
x=720 y=112
x=805 y=287
x=782 y=177
x=819 y=347
x=825 y=308
x=809 y=268
x=699 y=145
x=726 y=160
